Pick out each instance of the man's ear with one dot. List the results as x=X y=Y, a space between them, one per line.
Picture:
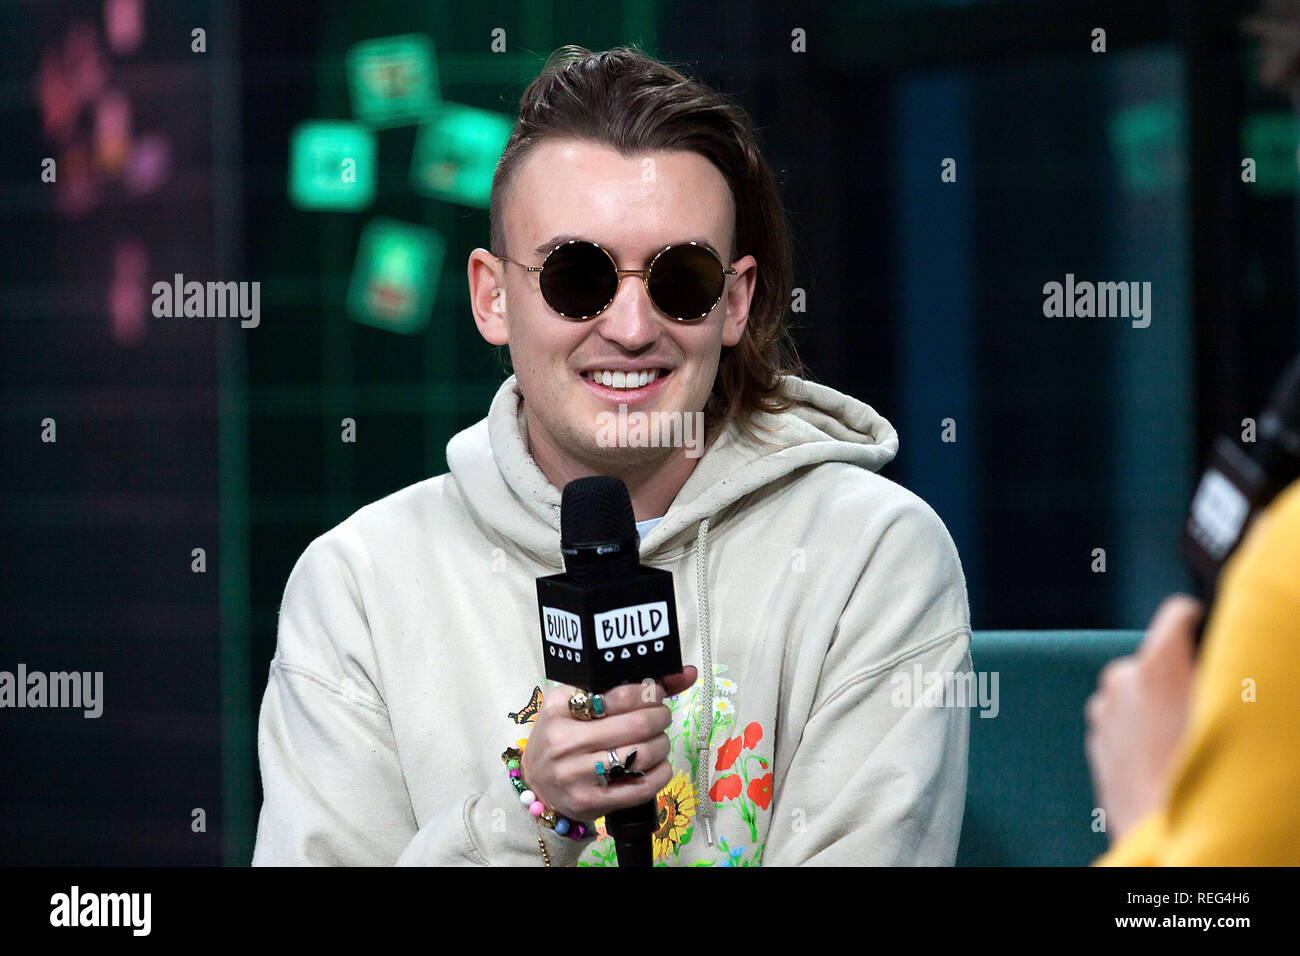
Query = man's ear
x=487 y=296
x=740 y=293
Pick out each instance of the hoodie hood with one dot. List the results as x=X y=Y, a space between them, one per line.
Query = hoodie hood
x=507 y=492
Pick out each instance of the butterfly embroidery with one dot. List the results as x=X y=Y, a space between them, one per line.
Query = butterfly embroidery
x=529 y=713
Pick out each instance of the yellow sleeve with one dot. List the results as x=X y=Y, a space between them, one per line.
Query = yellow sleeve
x=1139 y=847
x=1232 y=800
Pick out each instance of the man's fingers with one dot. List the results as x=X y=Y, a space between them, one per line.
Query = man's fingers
x=618 y=700
x=624 y=794
x=629 y=697
x=640 y=724
x=674 y=684
x=649 y=753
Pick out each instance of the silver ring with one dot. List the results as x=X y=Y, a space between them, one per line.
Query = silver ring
x=618 y=770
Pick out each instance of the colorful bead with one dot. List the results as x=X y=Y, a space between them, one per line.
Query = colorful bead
x=571 y=829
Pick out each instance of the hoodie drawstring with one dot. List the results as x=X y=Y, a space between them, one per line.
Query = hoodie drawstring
x=704 y=699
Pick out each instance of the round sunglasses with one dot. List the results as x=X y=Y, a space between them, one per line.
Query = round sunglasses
x=579 y=279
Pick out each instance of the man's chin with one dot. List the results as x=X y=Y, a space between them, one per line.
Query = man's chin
x=619 y=460
x=605 y=457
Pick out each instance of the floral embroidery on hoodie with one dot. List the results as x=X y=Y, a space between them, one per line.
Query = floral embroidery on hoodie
x=746 y=787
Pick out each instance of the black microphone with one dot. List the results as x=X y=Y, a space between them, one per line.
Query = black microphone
x=608 y=620
x=1236 y=486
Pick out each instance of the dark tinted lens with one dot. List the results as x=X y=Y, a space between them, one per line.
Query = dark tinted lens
x=578 y=280
x=686 y=282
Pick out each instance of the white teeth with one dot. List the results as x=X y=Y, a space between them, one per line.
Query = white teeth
x=624 y=379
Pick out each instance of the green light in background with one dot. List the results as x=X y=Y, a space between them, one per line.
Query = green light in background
x=393 y=80
x=331 y=165
x=1270 y=139
x=1147 y=141
x=456 y=154
x=395 y=279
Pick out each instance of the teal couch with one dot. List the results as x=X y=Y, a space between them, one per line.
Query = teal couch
x=1029 y=799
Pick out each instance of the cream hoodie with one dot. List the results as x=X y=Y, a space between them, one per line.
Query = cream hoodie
x=409 y=657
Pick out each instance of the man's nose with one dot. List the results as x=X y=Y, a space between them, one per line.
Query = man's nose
x=631 y=320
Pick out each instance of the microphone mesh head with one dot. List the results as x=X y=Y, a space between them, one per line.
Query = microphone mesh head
x=596 y=509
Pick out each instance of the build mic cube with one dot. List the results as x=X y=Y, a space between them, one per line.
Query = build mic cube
x=601 y=636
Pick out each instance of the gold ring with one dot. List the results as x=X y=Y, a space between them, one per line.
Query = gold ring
x=586 y=706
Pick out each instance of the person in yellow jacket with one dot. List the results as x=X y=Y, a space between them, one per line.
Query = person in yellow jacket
x=1198 y=763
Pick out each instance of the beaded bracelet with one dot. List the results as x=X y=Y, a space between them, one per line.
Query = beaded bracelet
x=512 y=757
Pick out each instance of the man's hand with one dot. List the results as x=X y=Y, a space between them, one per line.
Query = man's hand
x=559 y=763
x=1138 y=714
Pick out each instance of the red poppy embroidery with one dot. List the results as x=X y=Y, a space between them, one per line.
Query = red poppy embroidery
x=728 y=753
x=760 y=790
x=753 y=734
x=727 y=788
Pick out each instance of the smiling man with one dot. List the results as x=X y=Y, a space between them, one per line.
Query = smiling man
x=640 y=264
x=673 y=205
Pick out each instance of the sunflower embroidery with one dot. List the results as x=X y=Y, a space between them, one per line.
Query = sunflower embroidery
x=676 y=807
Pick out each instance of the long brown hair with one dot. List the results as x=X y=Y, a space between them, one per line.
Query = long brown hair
x=625 y=100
